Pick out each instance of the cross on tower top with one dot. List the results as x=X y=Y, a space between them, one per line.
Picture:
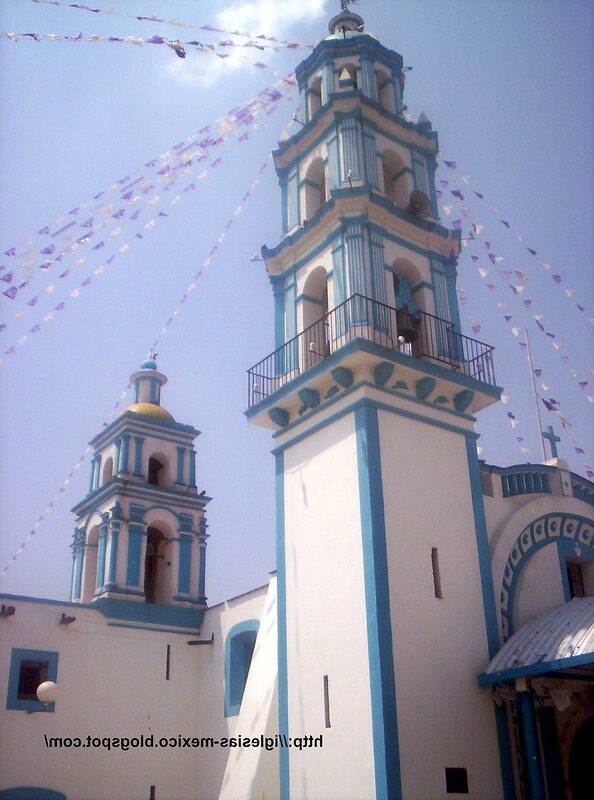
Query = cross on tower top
x=550 y=435
x=344 y=4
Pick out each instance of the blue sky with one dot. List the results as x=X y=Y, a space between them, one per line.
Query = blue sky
x=509 y=86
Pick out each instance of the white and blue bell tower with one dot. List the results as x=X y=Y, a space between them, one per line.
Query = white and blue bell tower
x=139 y=545
x=385 y=598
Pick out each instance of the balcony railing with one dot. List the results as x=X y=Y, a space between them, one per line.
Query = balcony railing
x=419 y=335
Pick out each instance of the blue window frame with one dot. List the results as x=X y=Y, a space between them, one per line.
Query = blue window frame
x=27 y=668
x=239 y=649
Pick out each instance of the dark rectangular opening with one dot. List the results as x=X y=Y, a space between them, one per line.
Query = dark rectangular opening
x=576 y=579
x=436 y=574
x=456 y=780
x=326 y=703
x=31 y=674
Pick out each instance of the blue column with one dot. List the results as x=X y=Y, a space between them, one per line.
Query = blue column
x=101 y=558
x=192 y=468
x=138 y=441
x=293 y=216
x=368 y=86
x=327 y=82
x=397 y=93
x=118 y=454
x=334 y=177
x=531 y=749
x=378 y=272
x=78 y=569
x=181 y=453
x=124 y=453
x=349 y=137
x=92 y=476
x=355 y=247
x=202 y=571
x=369 y=153
x=97 y=471
x=135 y=534
x=113 y=555
x=185 y=563
x=420 y=173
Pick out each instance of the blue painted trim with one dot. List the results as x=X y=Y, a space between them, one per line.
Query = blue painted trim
x=123 y=467
x=572 y=529
x=113 y=555
x=532 y=670
x=142 y=421
x=530 y=735
x=185 y=563
x=505 y=753
x=236 y=666
x=31 y=793
x=101 y=557
x=139 y=491
x=176 y=616
x=202 y=573
x=482 y=543
x=18 y=655
x=139 y=441
x=181 y=455
x=562 y=556
x=366 y=346
x=401 y=412
x=135 y=536
x=192 y=453
x=283 y=685
x=44 y=600
x=182 y=632
x=386 y=751
x=78 y=574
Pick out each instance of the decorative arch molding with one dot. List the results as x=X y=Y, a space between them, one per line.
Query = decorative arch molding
x=553 y=528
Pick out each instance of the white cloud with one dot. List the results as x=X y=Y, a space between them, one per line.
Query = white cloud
x=276 y=18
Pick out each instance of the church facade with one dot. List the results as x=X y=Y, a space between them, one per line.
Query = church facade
x=429 y=629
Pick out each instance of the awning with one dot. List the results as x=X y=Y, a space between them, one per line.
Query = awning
x=559 y=639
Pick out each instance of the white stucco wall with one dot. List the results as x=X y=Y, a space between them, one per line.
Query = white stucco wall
x=326 y=627
x=112 y=683
x=444 y=719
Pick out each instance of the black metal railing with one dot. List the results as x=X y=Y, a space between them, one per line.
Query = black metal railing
x=419 y=335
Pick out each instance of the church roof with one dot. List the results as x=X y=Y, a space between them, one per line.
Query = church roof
x=560 y=638
x=150 y=410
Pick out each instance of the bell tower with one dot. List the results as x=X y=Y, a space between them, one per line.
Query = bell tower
x=371 y=394
x=139 y=545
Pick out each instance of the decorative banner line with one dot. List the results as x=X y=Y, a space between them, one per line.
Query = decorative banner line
x=550 y=404
x=49 y=317
x=179 y=48
x=555 y=276
x=177 y=22
x=50 y=507
x=517 y=289
x=165 y=168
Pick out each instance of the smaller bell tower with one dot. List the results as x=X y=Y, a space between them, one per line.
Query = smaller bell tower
x=139 y=546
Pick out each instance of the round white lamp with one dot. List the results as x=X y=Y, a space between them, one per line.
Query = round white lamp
x=47 y=692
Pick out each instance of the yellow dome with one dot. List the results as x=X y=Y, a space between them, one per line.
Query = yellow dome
x=150 y=410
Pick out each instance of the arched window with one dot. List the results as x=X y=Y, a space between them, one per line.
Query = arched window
x=239 y=649
x=397 y=178
x=156 y=471
x=315 y=345
x=385 y=91
x=154 y=567
x=315 y=97
x=107 y=470
x=315 y=187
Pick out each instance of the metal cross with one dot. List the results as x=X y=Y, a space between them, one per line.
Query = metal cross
x=344 y=4
x=550 y=435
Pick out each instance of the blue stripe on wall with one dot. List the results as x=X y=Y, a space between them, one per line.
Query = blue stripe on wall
x=377 y=601
x=283 y=700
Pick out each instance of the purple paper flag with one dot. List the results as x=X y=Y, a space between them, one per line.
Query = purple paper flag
x=530 y=250
x=556 y=278
x=11 y=293
x=11 y=252
x=8 y=277
x=450 y=164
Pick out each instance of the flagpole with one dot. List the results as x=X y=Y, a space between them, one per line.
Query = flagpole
x=536 y=397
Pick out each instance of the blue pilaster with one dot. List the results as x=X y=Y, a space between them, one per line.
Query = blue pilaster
x=97 y=476
x=355 y=248
x=531 y=746
x=278 y=291
x=420 y=173
x=138 y=442
x=334 y=176
x=135 y=536
x=181 y=456
x=185 y=563
x=293 y=216
x=369 y=154
x=192 y=454
x=118 y=455
x=378 y=272
x=368 y=85
x=101 y=554
x=124 y=453
x=113 y=552
x=349 y=138
x=386 y=752
x=78 y=570
x=92 y=475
